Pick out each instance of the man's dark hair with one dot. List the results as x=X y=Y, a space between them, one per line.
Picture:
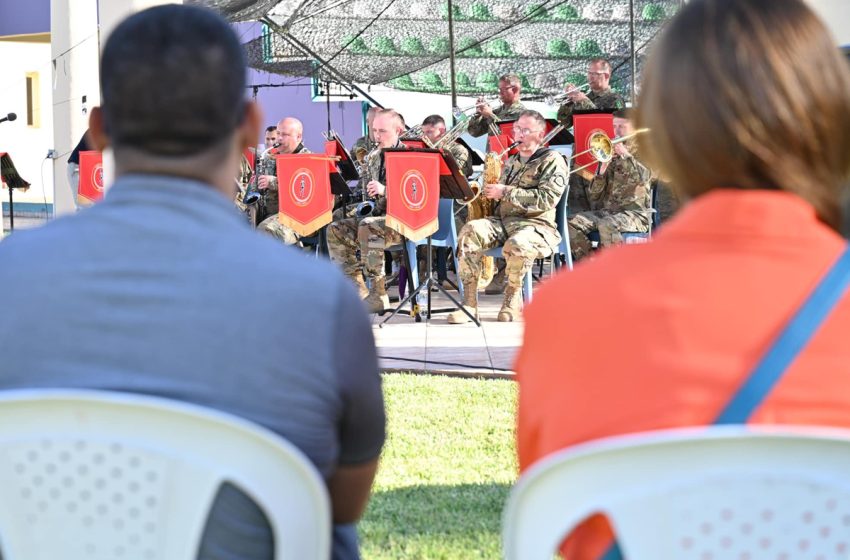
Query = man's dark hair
x=271 y=128
x=172 y=80
x=434 y=120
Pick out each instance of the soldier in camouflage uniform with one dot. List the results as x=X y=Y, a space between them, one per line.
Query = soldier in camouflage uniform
x=369 y=234
x=364 y=144
x=483 y=122
x=290 y=132
x=619 y=198
x=434 y=128
x=601 y=96
x=528 y=191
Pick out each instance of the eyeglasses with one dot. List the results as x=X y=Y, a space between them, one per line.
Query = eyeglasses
x=509 y=88
x=524 y=131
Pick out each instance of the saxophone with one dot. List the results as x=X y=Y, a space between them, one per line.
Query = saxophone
x=482 y=207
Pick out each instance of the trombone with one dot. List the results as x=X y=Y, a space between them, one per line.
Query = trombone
x=601 y=148
x=458 y=112
x=559 y=98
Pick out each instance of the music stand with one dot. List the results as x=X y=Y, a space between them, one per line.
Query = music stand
x=453 y=185
x=9 y=176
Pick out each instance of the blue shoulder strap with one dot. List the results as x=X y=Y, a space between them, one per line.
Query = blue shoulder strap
x=793 y=338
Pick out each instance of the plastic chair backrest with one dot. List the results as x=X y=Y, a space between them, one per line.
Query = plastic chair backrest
x=100 y=475
x=702 y=493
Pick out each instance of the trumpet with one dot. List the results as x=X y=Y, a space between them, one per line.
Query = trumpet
x=601 y=148
x=559 y=98
x=458 y=112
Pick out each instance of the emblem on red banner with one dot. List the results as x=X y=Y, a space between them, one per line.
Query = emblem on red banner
x=306 y=202
x=413 y=192
x=301 y=187
x=584 y=126
x=91 y=185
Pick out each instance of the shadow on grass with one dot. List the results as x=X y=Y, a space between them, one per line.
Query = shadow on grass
x=435 y=521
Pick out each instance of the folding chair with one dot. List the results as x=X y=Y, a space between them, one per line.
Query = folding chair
x=710 y=492
x=96 y=475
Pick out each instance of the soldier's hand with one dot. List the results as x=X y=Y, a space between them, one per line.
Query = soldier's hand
x=374 y=188
x=621 y=150
x=495 y=191
x=263 y=181
x=484 y=108
x=574 y=94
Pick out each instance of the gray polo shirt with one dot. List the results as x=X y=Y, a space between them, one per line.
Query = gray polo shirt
x=163 y=289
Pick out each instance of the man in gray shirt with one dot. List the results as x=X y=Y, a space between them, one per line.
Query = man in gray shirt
x=163 y=289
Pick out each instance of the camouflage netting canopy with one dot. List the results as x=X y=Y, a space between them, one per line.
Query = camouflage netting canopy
x=404 y=44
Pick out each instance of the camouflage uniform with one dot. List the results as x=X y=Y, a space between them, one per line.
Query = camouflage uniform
x=608 y=99
x=619 y=201
x=270 y=224
x=368 y=235
x=525 y=220
x=460 y=155
x=480 y=125
x=363 y=143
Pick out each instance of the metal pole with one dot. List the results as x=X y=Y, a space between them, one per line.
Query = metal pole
x=632 y=46
x=328 y=104
x=451 y=66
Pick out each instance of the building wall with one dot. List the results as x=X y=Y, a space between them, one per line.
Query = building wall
x=20 y=18
x=27 y=145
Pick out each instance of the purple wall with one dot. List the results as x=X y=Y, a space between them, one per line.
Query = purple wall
x=295 y=100
x=18 y=18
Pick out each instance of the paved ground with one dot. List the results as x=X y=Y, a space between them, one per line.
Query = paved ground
x=437 y=347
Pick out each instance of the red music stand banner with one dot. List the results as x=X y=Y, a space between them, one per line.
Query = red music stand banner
x=583 y=127
x=304 y=191
x=499 y=143
x=91 y=185
x=413 y=192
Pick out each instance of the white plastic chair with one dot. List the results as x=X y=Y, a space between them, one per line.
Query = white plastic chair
x=714 y=493
x=98 y=475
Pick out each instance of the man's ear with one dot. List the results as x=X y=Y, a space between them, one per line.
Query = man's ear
x=98 y=138
x=249 y=130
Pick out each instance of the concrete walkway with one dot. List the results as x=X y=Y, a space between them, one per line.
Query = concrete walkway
x=437 y=347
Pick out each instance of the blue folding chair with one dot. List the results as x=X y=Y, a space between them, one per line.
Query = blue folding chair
x=445 y=237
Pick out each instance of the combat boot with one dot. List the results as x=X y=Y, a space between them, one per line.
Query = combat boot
x=512 y=305
x=377 y=301
x=470 y=303
x=497 y=284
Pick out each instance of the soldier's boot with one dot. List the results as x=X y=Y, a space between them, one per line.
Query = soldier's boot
x=498 y=283
x=377 y=300
x=470 y=303
x=512 y=305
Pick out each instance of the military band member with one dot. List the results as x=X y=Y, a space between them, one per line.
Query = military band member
x=365 y=144
x=369 y=234
x=271 y=136
x=483 y=122
x=601 y=96
x=619 y=197
x=510 y=89
x=528 y=191
x=289 y=133
x=434 y=128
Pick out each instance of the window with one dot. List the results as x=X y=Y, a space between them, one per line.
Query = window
x=33 y=100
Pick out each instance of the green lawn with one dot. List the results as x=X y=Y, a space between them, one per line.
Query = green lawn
x=445 y=471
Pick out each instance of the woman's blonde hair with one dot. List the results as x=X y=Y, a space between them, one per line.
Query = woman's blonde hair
x=749 y=94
